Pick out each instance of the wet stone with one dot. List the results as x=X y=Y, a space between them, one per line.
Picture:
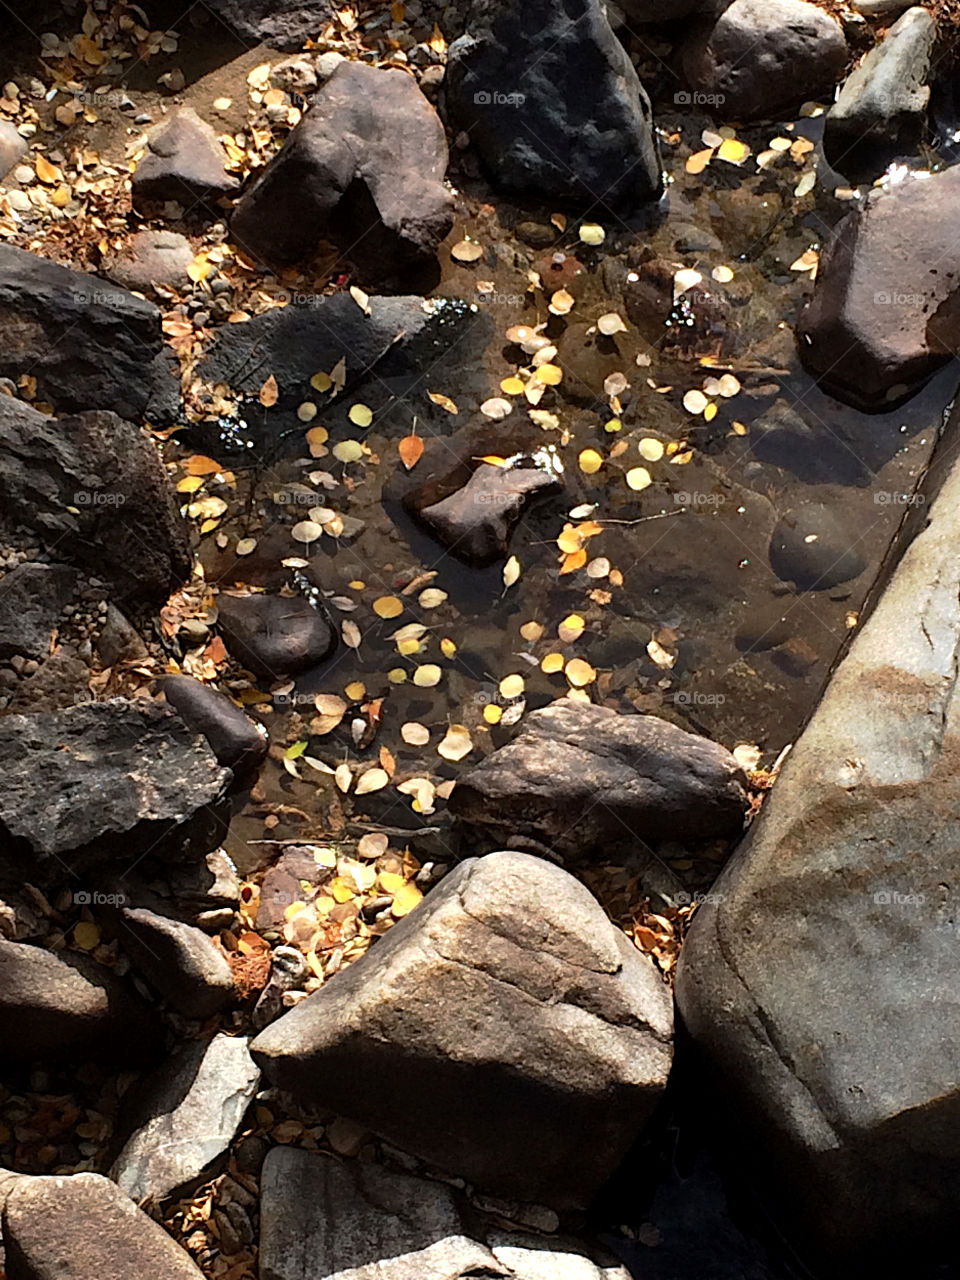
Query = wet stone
x=275 y=635
x=813 y=547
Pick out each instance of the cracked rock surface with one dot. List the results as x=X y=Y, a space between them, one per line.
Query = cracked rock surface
x=820 y=979
x=507 y=997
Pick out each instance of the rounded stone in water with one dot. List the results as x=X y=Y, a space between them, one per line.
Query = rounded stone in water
x=814 y=548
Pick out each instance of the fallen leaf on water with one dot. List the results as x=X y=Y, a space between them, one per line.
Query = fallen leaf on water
x=388 y=607
x=351 y=634
x=571 y=628
x=443 y=401
x=699 y=161
x=590 y=461
x=456 y=743
x=360 y=415
x=496 y=407
x=511 y=686
x=428 y=675
x=200 y=465
x=410 y=449
x=638 y=478
x=306 y=531
x=610 y=324
x=414 y=733
x=269 y=392
x=591 y=233
x=579 y=672
x=511 y=571
x=406 y=898
x=372 y=780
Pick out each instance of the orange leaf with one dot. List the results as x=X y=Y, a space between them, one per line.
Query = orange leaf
x=200 y=465
x=269 y=392
x=410 y=449
x=574 y=561
x=216 y=650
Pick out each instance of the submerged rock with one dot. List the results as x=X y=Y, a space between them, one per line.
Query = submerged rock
x=95 y=491
x=814 y=547
x=819 y=978
x=106 y=782
x=764 y=56
x=89 y=344
x=184 y=163
x=364 y=169
x=884 y=314
x=529 y=1039
x=75 y=1227
x=321 y=1219
x=69 y=1007
x=275 y=636
x=475 y=522
x=579 y=776
x=551 y=101
x=882 y=106
x=181 y=1118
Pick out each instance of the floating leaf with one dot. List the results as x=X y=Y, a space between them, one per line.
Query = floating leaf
x=562 y=302
x=307 y=411
x=372 y=780
x=511 y=686
x=246 y=546
x=590 y=461
x=610 y=324
x=591 y=233
x=431 y=598
x=428 y=675
x=388 y=607
x=496 y=407
x=360 y=415
x=733 y=151
x=512 y=386
x=351 y=634
x=410 y=449
x=456 y=743
x=531 y=631
x=466 y=251
x=638 y=478
x=579 y=672
x=348 y=451
x=552 y=663
x=269 y=392
x=695 y=401
x=699 y=160
x=571 y=628
x=511 y=571
x=651 y=449
x=550 y=374
x=414 y=733
x=306 y=531
x=321 y=382
x=660 y=656
x=492 y=714
x=443 y=401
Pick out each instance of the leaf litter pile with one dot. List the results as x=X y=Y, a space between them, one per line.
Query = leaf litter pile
x=437 y=664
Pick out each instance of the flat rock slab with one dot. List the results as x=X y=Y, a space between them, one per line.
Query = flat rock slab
x=93 y=488
x=89 y=343
x=819 y=978
x=180 y=1119
x=72 y=1228
x=32 y=599
x=579 y=776
x=68 y=1006
x=296 y=341
x=106 y=782
x=553 y=105
x=363 y=169
x=323 y=1220
x=882 y=106
x=884 y=315
x=528 y=1038
x=762 y=56
x=275 y=635
x=184 y=163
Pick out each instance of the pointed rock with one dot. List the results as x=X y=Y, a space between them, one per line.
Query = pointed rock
x=184 y=163
x=528 y=1038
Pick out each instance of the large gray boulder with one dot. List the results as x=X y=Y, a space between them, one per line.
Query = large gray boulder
x=68 y=1007
x=106 y=783
x=578 y=776
x=528 y=1038
x=88 y=343
x=364 y=169
x=323 y=1220
x=176 y=1122
x=884 y=315
x=882 y=106
x=73 y=1228
x=764 y=56
x=93 y=489
x=552 y=103
x=819 y=979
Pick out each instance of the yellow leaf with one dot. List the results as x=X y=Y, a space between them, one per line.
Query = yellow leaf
x=388 y=607
x=372 y=780
x=443 y=401
x=552 y=663
x=406 y=898
x=86 y=935
x=360 y=415
x=699 y=161
x=456 y=743
x=511 y=686
x=46 y=171
x=579 y=672
x=590 y=461
x=321 y=382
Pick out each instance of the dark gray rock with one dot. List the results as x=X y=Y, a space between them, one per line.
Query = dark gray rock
x=237 y=741
x=763 y=56
x=12 y=147
x=178 y=960
x=885 y=314
x=153 y=257
x=553 y=105
x=66 y=1007
x=62 y=681
x=89 y=344
x=882 y=107
x=815 y=548
x=295 y=342
x=283 y=24
x=579 y=776
x=118 y=638
x=106 y=782
x=72 y=1228
x=32 y=598
x=182 y=1118
x=184 y=163
x=274 y=636
x=475 y=522
x=819 y=978
x=207 y=892
x=95 y=491
x=321 y=1219
x=528 y=1038
x=363 y=169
